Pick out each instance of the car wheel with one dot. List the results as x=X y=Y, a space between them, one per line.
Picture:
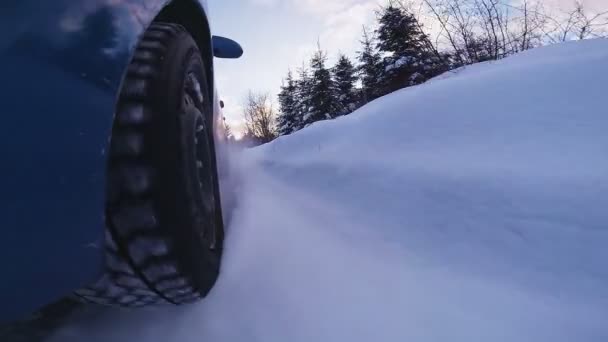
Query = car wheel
x=163 y=239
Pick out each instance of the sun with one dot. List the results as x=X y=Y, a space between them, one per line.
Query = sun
x=238 y=134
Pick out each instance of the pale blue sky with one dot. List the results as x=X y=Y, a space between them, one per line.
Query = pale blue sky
x=277 y=35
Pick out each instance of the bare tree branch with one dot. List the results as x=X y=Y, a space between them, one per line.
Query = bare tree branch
x=260 y=117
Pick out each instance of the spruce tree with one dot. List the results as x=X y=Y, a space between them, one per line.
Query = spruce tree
x=408 y=60
x=287 y=120
x=344 y=85
x=323 y=105
x=370 y=68
x=302 y=97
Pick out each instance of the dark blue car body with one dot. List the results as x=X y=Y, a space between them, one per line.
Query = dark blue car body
x=62 y=62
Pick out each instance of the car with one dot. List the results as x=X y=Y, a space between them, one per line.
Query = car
x=112 y=153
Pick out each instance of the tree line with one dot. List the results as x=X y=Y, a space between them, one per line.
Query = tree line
x=410 y=43
x=393 y=56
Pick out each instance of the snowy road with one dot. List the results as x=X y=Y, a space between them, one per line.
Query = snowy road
x=427 y=215
x=298 y=268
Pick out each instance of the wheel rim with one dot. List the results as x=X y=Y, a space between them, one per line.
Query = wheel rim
x=201 y=184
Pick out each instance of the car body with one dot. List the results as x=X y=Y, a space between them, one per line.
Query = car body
x=62 y=63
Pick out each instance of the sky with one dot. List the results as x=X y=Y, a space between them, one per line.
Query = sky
x=278 y=35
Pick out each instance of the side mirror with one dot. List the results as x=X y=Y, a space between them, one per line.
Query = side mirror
x=226 y=48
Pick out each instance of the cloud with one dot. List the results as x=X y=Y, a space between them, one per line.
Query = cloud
x=341 y=23
x=343 y=28
x=324 y=7
x=591 y=5
x=266 y=2
x=319 y=8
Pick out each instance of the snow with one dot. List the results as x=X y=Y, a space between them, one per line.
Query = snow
x=398 y=63
x=470 y=208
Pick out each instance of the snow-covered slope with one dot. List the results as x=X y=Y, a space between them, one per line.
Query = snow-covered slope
x=471 y=208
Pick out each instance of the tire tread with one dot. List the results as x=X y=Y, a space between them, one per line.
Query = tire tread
x=134 y=280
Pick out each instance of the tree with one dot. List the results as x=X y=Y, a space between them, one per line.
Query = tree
x=579 y=24
x=400 y=53
x=344 y=76
x=323 y=105
x=287 y=121
x=228 y=131
x=302 y=96
x=407 y=61
x=259 y=117
x=529 y=26
x=480 y=30
x=370 y=68
x=590 y=25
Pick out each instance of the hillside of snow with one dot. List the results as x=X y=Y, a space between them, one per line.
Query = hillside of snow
x=471 y=208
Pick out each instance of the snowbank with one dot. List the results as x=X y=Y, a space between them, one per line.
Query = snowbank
x=471 y=208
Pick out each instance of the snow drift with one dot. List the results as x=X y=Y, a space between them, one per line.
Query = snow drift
x=470 y=208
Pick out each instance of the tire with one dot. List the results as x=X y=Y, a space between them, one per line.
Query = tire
x=163 y=238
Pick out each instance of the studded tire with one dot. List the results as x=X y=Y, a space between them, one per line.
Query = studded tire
x=163 y=238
